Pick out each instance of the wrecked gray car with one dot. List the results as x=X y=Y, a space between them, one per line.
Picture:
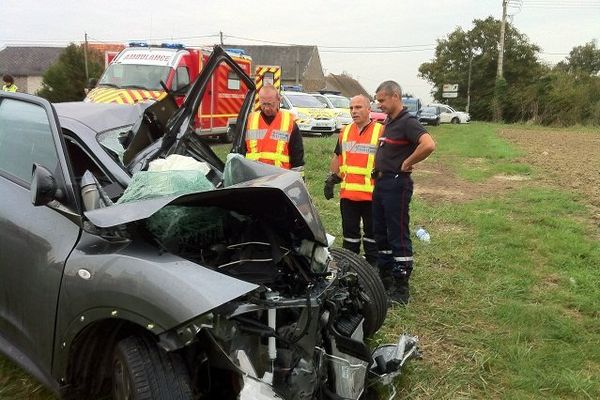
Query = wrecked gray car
x=217 y=282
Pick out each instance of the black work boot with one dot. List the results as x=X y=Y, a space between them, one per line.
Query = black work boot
x=396 y=288
x=400 y=293
x=401 y=274
x=387 y=279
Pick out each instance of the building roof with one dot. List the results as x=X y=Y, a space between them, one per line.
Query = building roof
x=287 y=57
x=346 y=85
x=102 y=47
x=27 y=61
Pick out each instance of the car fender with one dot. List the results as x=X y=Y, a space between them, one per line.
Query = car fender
x=136 y=282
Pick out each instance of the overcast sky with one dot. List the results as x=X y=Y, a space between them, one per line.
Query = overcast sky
x=347 y=32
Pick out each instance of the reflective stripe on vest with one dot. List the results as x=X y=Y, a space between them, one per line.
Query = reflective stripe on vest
x=355 y=168
x=269 y=144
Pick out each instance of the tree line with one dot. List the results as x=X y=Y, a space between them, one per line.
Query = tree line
x=530 y=91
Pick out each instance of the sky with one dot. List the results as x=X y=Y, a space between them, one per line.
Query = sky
x=372 y=41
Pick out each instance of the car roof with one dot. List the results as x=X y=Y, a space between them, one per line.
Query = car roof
x=100 y=117
x=295 y=93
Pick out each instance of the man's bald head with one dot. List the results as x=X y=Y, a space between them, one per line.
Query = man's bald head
x=268 y=99
x=360 y=108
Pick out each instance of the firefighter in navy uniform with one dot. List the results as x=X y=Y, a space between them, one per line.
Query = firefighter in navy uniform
x=404 y=143
x=351 y=166
x=272 y=136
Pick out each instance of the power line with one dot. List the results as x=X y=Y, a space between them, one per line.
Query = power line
x=375 y=49
x=376 y=52
x=548 y=4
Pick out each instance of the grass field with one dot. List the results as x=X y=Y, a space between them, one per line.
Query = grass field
x=506 y=297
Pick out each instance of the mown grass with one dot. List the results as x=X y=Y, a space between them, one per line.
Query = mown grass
x=505 y=298
x=475 y=152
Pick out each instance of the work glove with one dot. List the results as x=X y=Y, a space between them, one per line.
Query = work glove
x=330 y=182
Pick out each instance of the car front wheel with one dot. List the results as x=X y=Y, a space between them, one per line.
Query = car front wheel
x=141 y=370
x=455 y=120
x=375 y=310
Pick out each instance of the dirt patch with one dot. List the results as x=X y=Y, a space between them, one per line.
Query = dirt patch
x=435 y=182
x=569 y=159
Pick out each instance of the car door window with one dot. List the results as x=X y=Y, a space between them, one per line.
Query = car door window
x=25 y=138
x=183 y=77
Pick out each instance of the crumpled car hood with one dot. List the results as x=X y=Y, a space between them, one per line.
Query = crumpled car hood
x=273 y=193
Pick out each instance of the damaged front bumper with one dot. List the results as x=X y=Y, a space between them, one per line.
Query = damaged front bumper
x=349 y=377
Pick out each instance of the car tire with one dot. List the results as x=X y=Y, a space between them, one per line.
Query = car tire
x=143 y=371
x=455 y=120
x=375 y=310
x=229 y=135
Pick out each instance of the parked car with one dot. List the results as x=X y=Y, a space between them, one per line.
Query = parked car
x=376 y=114
x=311 y=115
x=340 y=106
x=123 y=277
x=429 y=115
x=412 y=104
x=450 y=115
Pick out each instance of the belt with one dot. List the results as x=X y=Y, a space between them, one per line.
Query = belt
x=380 y=174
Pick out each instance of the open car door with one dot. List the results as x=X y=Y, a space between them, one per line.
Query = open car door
x=153 y=138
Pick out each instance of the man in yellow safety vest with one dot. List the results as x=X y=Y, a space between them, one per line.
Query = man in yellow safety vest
x=351 y=166
x=272 y=136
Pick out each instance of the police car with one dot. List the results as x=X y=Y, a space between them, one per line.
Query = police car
x=310 y=114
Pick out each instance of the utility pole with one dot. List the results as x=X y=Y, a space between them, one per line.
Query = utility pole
x=501 y=46
x=500 y=83
x=297 y=65
x=221 y=37
x=469 y=80
x=85 y=57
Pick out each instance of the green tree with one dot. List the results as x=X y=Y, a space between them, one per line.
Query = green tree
x=480 y=46
x=584 y=60
x=65 y=79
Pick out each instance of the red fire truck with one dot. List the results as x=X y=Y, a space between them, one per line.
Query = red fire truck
x=135 y=75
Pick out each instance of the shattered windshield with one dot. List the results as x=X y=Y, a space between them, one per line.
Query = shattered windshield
x=111 y=141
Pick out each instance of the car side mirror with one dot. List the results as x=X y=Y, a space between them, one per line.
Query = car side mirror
x=43 y=186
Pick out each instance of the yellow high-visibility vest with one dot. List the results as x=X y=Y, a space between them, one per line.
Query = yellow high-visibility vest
x=357 y=159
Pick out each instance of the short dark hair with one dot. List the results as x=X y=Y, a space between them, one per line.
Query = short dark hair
x=8 y=79
x=390 y=87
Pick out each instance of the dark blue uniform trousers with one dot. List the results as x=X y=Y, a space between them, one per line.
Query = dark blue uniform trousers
x=391 y=199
